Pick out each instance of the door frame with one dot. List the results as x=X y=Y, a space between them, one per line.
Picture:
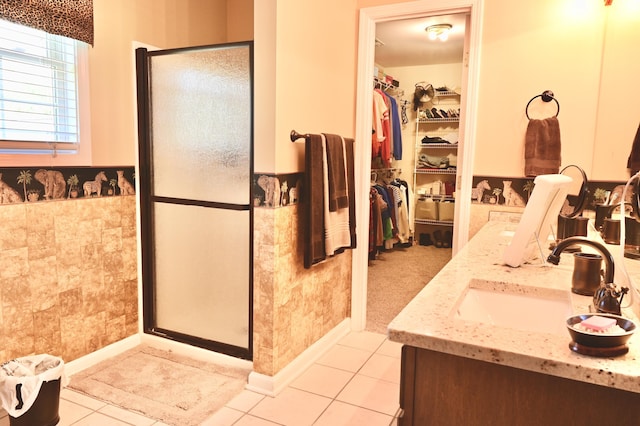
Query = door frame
x=366 y=57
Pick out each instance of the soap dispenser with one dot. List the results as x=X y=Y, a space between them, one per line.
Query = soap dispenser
x=608 y=299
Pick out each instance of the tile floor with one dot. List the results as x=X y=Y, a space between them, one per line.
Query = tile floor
x=355 y=383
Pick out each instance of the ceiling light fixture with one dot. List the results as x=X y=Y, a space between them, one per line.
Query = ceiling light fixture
x=438 y=32
x=608 y=2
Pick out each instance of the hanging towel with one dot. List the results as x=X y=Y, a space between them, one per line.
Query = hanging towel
x=337 y=232
x=337 y=175
x=314 y=250
x=633 y=163
x=542 y=147
x=351 y=189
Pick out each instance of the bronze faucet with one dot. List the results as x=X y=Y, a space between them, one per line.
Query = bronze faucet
x=554 y=257
x=605 y=298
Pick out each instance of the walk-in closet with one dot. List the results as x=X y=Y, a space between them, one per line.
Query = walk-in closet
x=418 y=81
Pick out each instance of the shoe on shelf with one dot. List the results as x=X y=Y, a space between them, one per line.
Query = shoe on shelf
x=447 y=239
x=425 y=240
x=434 y=139
x=428 y=113
x=444 y=114
x=437 y=235
x=434 y=111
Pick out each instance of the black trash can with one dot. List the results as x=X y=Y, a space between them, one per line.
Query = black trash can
x=31 y=390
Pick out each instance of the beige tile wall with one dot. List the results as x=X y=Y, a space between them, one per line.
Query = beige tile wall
x=293 y=306
x=68 y=276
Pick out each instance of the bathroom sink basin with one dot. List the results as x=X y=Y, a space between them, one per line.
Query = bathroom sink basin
x=518 y=307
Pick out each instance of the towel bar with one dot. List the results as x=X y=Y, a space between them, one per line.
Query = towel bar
x=295 y=135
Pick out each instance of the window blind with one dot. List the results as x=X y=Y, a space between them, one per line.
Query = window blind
x=38 y=86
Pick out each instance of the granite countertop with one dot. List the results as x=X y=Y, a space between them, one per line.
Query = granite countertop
x=430 y=320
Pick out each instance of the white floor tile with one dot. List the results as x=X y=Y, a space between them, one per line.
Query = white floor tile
x=345 y=358
x=363 y=340
x=390 y=348
x=291 y=407
x=249 y=420
x=82 y=399
x=322 y=380
x=223 y=417
x=70 y=412
x=126 y=416
x=374 y=394
x=341 y=414
x=245 y=401
x=98 y=419
x=382 y=367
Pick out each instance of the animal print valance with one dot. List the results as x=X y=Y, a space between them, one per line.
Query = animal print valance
x=68 y=18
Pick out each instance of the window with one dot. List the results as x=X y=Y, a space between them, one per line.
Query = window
x=40 y=92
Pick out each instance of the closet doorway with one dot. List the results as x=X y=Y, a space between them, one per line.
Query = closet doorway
x=393 y=283
x=419 y=75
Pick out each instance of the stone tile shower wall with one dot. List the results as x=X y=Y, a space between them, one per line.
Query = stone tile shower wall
x=68 y=274
x=293 y=306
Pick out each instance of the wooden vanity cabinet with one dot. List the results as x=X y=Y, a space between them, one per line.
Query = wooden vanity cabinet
x=442 y=389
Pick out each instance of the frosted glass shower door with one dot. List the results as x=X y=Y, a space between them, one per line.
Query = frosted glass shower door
x=196 y=162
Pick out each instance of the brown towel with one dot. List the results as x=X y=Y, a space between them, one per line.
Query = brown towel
x=351 y=188
x=314 y=251
x=542 y=147
x=337 y=234
x=338 y=197
x=633 y=163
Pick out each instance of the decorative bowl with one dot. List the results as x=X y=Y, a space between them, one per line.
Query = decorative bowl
x=600 y=340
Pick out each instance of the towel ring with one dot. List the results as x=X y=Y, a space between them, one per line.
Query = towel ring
x=547 y=96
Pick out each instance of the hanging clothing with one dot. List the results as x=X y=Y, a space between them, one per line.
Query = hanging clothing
x=402 y=215
x=387 y=128
x=389 y=214
x=396 y=129
x=380 y=123
x=377 y=205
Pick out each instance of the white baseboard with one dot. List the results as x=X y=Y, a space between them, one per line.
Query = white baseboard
x=272 y=385
x=109 y=351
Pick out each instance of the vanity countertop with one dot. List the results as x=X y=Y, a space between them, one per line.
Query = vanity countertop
x=429 y=321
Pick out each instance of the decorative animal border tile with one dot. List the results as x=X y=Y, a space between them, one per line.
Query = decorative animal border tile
x=515 y=191
x=34 y=184
x=277 y=190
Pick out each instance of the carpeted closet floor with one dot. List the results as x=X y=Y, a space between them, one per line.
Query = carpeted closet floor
x=395 y=277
